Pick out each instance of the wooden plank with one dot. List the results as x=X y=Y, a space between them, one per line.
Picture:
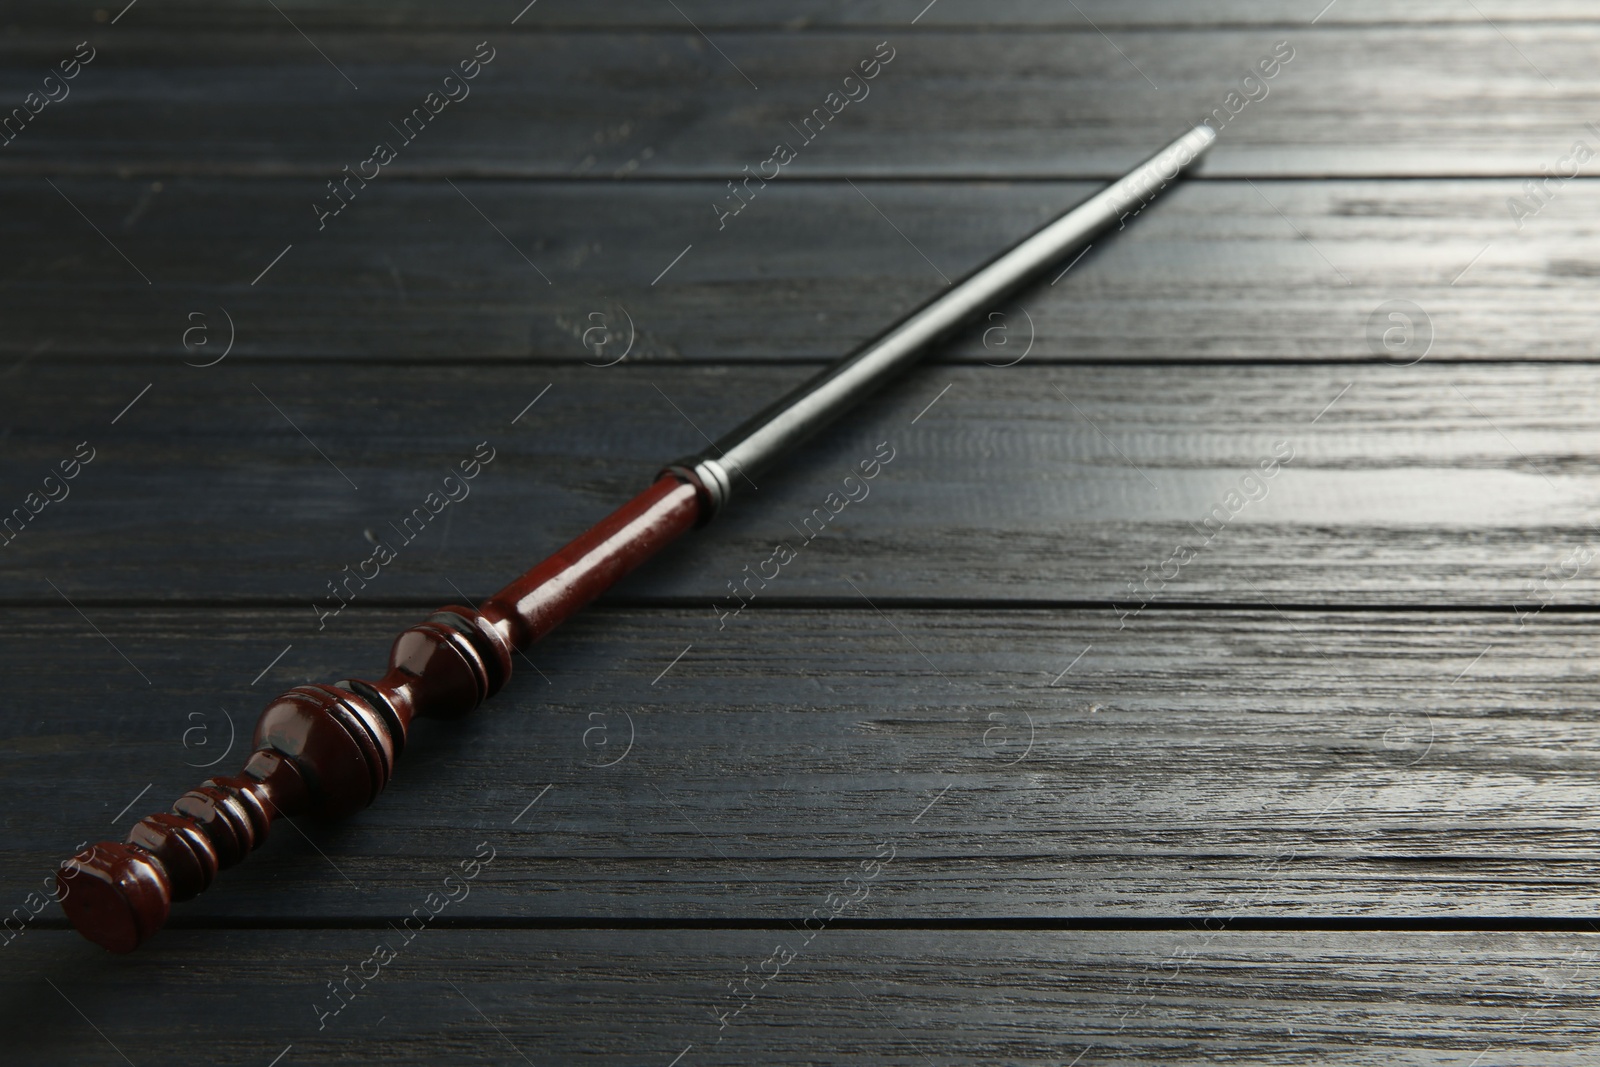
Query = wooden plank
x=1215 y=271
x=1352 y=101
x=1434 y=484
x=1039 y=764
x=1022 y=763
x=849 y=996
x=792 y=15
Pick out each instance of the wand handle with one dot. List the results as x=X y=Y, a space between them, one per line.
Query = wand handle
x=328 y=750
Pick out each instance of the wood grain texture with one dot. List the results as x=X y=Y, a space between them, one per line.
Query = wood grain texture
x=1436 y=484
x=1331 y=727
x=849 y=997
x=1039 y=764
x=1216 y=271
x=1376 y=101
x=791 y=15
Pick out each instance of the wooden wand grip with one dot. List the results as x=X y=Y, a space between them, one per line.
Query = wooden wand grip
x=328 y=750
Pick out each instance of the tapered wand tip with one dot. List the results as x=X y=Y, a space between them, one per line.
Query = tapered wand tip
x=1197 y=141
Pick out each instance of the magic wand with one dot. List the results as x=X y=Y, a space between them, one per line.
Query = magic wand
x=328 y=750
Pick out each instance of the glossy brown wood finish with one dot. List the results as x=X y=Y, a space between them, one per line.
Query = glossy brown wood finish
x=329 y=750
x=542 y=599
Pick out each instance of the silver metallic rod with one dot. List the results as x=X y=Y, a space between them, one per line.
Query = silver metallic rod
x=781 y=426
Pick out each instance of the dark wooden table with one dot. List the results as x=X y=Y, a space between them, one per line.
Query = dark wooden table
x=1116 y=751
